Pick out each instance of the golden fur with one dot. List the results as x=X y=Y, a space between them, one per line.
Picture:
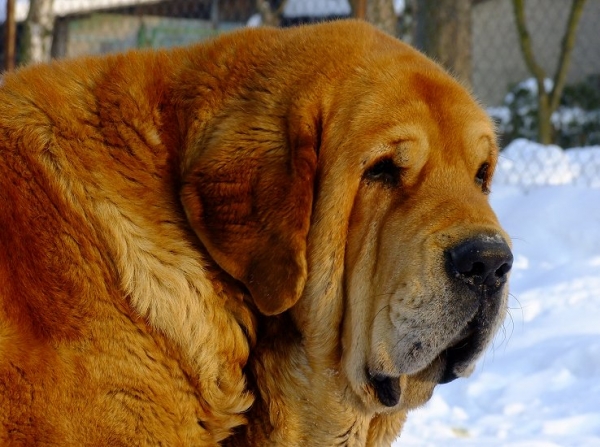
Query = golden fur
x=205 y=238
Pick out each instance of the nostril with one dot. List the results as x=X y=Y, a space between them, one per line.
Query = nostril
x=480 y=262
x=477 y=270
x=503 y=270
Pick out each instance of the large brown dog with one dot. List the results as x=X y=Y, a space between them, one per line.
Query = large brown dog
x=160 y=212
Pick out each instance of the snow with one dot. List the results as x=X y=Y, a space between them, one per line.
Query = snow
x=327 y=8
x=526 y=164
x=323 y=8
x=539 y=384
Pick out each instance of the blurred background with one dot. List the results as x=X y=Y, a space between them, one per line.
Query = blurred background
x=503 y=49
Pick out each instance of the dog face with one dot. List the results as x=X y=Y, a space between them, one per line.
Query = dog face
x=426 y=261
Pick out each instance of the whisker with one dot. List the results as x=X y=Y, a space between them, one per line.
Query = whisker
x=520 y=306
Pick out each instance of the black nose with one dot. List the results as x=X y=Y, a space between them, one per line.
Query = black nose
x=481 y=262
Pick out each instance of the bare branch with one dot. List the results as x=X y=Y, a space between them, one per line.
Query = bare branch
x=568 y=43
x=548 y=101
x=526 y=47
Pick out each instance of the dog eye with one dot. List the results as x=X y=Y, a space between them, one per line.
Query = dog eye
x=384 y=171
x=482 y=177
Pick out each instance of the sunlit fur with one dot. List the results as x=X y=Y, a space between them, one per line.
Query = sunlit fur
x=191 y=254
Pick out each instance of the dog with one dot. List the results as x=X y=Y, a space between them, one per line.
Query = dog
x=278 y=237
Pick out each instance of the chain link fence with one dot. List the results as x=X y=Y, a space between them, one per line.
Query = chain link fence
x=492 y=60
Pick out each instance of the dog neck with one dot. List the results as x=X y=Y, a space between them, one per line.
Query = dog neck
x=292 y=391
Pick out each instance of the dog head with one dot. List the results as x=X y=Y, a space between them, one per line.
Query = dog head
x=426 y=262
x=406 y=162
x=360 y=185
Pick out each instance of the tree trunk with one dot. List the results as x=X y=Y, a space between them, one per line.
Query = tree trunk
x=443 y=31
x=378 y=12
x=544 y=118
x=381 y=14
x=39 y=30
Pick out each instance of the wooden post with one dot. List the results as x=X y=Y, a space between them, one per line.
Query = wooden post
x=10 y=28
x=361 y=9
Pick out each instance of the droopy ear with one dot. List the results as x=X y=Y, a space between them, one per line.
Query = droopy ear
x=248 y=197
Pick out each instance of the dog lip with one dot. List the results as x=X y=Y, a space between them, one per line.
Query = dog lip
x=459 y=354
x=387 y=388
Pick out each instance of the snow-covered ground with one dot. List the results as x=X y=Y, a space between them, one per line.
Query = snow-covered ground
x=539 y=385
